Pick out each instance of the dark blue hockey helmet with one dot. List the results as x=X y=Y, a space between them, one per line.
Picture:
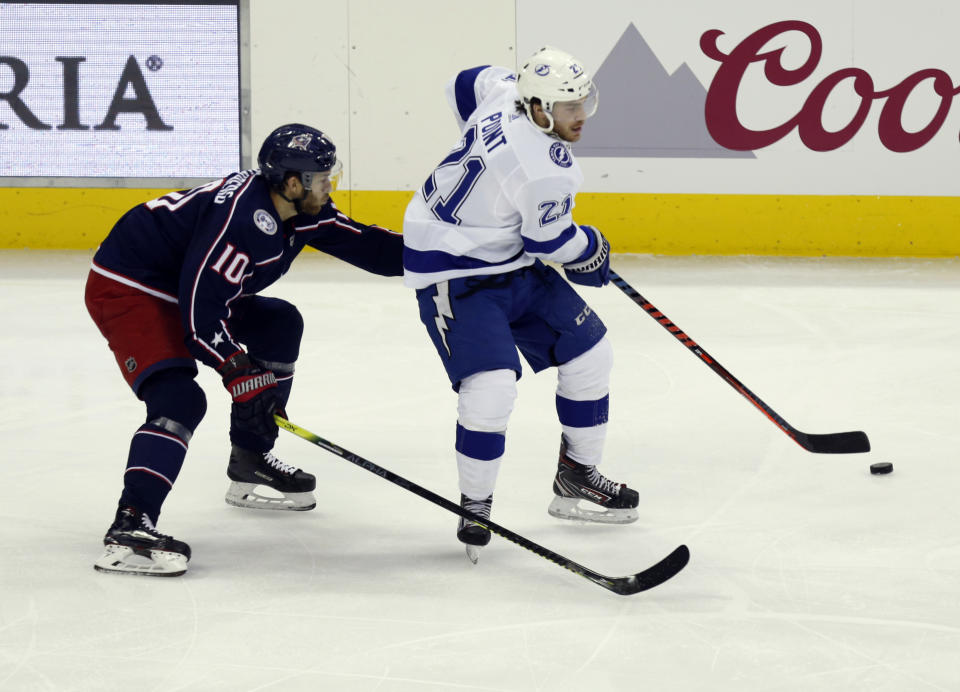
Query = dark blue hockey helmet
x=300 y=149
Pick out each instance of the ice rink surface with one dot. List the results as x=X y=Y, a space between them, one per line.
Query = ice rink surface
x=807 y=573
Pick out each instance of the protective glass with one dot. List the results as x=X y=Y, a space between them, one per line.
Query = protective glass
x=313 y=179
x=584 y=107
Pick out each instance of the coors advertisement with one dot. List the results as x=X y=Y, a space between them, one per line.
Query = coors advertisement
x=721 y=103
x=119 y=90
x=822 y=97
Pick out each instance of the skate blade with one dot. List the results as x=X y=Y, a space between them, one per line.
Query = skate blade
x=121 y=559
x=473 y=552
x=569 y=508
x=246 y=495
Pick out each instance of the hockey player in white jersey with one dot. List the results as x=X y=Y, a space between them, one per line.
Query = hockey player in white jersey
x=475 y=239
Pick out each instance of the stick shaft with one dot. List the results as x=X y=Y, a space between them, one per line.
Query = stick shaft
x=641 y=581
x=832 y=443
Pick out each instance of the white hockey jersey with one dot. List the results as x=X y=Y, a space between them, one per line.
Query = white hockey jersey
x=503 y=197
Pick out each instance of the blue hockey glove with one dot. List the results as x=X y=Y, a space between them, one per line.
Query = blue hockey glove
x=255 y=400
x=592 y=268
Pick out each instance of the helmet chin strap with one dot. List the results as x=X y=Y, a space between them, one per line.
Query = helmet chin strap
x=297 y=203
x=549 y=128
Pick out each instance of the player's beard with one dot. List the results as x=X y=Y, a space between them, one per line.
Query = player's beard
x=310 y=205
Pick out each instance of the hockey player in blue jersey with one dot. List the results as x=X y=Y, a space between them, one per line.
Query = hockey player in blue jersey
x=176 y=281
x=475 y=237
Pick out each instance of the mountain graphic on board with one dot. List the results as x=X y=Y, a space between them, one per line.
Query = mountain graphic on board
x=646 y=112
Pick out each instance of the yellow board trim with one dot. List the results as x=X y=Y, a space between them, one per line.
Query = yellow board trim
x=63 y=218
x=674 y=224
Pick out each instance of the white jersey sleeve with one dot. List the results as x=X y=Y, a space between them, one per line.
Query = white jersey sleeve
x=546 y=207
x=471 y=87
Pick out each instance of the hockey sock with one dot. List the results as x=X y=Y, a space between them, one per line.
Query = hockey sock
x=284 y=374
x=478 y=461
x=175 y=406
x=484 y=407
x=583 y=402
x=584 y=425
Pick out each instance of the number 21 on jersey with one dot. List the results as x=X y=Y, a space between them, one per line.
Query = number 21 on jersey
x=553 y=210
x=445 y=207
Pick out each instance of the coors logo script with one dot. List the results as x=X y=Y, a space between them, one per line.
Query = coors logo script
x=721 y=106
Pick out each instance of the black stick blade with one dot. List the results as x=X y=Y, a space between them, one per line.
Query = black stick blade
x=835 y=443
x=666 y=569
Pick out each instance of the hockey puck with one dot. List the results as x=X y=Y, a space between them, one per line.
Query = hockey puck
x=881 y=468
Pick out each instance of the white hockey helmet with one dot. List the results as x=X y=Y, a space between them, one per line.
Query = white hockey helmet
x=552 y=75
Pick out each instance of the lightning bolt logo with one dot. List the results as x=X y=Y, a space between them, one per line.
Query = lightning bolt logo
x=442 y=301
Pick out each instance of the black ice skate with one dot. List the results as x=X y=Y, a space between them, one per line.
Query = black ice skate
x=575 y=482
x=249 y=469
x=134 y=546
x=470 y=533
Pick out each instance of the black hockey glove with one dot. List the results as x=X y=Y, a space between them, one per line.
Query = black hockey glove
x=255 y=400
x=592 y=268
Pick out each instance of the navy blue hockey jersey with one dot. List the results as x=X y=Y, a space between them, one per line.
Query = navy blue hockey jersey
x=204 y=248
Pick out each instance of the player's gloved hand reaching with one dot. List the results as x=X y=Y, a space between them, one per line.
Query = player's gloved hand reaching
x=592 y=268
x=255 y=398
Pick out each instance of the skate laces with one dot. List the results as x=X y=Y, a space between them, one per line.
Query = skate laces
x=147 y=525
x=479 y=507
x=602 y=483
x=273 y=462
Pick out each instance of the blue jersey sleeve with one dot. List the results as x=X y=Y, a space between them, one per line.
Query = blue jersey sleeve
x=372 y=248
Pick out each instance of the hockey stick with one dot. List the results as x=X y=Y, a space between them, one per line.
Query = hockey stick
x=831 y=443
x=625 y=586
